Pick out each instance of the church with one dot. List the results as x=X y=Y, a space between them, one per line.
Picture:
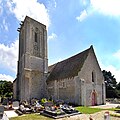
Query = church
x=77 y=80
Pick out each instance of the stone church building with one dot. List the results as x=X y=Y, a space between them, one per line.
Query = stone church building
x=76 y=80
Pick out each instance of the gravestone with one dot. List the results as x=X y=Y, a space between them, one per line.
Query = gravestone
x=1 y=111
x=5 y=101
x=15 y=105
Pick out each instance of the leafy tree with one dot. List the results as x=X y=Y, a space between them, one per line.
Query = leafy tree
x=109 y=79
x=6 y=88
x=118 y=86
x=111 y=84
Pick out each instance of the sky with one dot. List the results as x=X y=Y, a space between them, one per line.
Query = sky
x=73 y=26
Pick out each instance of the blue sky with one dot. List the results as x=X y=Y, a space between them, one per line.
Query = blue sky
x=73 y=25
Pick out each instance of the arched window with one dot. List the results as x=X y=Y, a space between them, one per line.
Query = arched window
x=93 y=76
x=36 y=36
x=36 y=43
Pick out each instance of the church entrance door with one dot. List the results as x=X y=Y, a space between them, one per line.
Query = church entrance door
x=94 y=98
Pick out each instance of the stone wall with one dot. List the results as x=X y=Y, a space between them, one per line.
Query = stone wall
x=90 y=65
x=80 y=89
x=37 y=88
x=33 y=62
x=62 y=89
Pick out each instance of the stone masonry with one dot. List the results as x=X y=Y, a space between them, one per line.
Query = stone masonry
x=77 y=80
x=33 y=62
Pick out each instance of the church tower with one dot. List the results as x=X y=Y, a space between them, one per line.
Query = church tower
x=33 y=61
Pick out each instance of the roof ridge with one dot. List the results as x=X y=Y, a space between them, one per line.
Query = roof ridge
x=70 y=66
x=76 y=54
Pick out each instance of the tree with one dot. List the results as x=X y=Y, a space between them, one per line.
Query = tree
x=111 y=84
x=109 y=79
x=118 y=86
x=6 y=88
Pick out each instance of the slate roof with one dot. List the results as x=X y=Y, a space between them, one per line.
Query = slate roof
x=69 y=67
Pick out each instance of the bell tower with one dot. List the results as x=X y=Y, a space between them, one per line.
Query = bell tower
x=32 y=61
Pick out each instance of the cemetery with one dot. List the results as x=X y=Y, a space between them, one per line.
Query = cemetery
x=52 y=109
x=77 y=80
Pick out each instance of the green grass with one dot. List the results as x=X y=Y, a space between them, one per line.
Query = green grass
x=31 y=117
x=88 y=110
x=84 y=110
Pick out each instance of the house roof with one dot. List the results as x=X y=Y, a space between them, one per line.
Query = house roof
x=69 y=67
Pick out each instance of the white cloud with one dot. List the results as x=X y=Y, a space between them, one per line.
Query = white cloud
x=104 y=7
x=117 y=54
x=113 y=70
x=6 y=77
x=82 y=16
x=9 y=55
x=53 y=36
x=31 y=8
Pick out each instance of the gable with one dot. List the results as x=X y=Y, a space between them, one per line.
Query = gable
x=69 y=67
x=90 y=67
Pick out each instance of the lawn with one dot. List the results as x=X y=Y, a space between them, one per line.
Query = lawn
x=84 y=110
x=88 y=110
x=31 y=117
